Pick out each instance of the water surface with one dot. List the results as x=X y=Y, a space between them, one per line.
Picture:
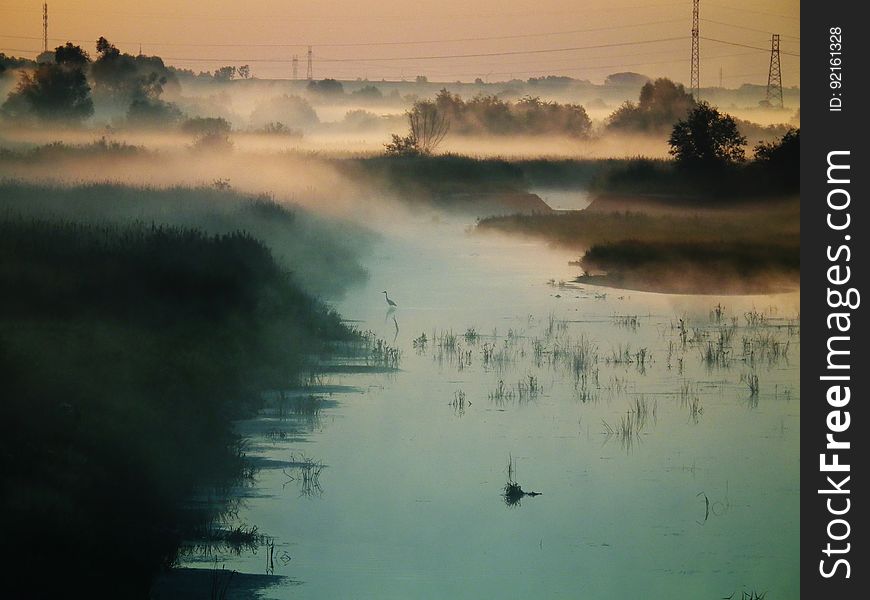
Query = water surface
x=701 y=502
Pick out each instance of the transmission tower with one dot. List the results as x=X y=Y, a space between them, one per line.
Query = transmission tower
x=695 y=80
x=310 y=74
x=45 y=27
x=295 y=63
x=774 y=75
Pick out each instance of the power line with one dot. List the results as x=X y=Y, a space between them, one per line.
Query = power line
x=356 y=17
x=510 y=52
x=362 y=44
x=748 y=28
x=765 y=50
x=757 y=12
x=430 y=57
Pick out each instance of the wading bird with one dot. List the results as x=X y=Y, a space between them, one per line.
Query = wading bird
x=390 y=302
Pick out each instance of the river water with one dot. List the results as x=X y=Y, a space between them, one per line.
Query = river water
x=661 y=473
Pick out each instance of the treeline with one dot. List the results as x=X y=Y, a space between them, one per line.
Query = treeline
x=490 y=115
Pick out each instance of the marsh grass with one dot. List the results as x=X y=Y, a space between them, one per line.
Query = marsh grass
x=460 y=403
x=294 y=236
x=127 y=352
x=690 y=400
x=630 y=322
x=305 y=472
x=751 y=380
x=631 y=424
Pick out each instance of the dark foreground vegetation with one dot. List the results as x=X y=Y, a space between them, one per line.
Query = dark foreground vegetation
x=125 y=353
x=322 y=255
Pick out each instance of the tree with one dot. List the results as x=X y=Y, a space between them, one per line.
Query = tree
x=147 y=109
x=225 y=73
x=368 y=92
x=121 y=78
x=781 y=160
x=706 y=138
x=57 y=91
x=428 y=126
x=326 y=87
x=661 y=104
x=245 y=72
x=403 y=146
x=293 y=111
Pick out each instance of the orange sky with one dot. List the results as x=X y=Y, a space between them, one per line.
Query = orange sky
x=402 y=38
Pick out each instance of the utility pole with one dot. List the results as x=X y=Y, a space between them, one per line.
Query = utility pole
x=295 y=63
x=310 y=74
x=45 y=27
x=774 y=74
x=695 y=80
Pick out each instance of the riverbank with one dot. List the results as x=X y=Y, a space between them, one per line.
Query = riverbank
x=128 y=351
x=657 y=243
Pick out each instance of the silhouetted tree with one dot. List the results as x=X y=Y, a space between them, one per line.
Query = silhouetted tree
x=661 y=104
x=706 y=138
x=428 y=126
x=57 y=91
x=225 y=73
x=245 y=72
x=369 y=92
x=487 y=114
x=781 y=160
x=403 y=146
x=293 y=111
x=147 y=108
x=326 y=87
x=122 y=78
x=626 y=78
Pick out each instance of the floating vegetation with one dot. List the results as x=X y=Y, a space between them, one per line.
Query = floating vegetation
x=446 y=340
x=459 y=403
x=744 y=595
x=420 y=342
x=690 y=400
x=623 y=355
x=236 y=540
x=501 y=393
x=306 y=472
x=755 y=318
x=513 y=492
x=764 y=347
x=555 y=326
x=525 y=390
x=751 y=380
x=627 y=321
x=630 y=425
x=528 y=389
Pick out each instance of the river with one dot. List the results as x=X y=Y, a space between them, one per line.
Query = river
x=664 y=471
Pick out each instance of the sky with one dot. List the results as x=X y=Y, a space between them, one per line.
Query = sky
x=444 y=40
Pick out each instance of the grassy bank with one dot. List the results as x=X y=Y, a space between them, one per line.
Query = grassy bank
x=322 y=254
x=693 y=267
x=687 y=248
x=126 y=352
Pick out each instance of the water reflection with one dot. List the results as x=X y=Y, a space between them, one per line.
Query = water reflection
x=620 y=407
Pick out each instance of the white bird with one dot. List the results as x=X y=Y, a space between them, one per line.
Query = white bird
x=390 y=302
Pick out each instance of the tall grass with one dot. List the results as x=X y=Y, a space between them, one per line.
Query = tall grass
x=126 y=352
